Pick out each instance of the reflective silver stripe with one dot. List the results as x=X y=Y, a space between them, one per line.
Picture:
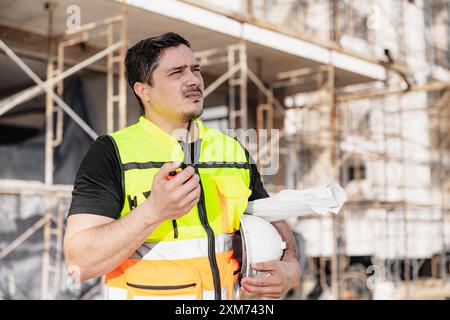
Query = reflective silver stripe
x=180 y=297
x=112 y=293
x=182 y=249
x=209 y=294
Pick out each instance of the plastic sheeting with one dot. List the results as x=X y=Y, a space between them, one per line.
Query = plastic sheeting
x=26 y=160
x=20 y=271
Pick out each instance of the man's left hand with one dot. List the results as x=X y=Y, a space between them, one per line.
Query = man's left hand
x=283 y=275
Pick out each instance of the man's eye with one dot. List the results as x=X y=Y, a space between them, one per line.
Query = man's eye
x=176 y=72
x=197 y=69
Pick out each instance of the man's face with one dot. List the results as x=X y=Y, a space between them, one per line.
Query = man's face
x=177 y=91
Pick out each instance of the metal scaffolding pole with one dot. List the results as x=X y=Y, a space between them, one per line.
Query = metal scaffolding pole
x=231 y=89
x=243 y=86
x=333 y=150
x=30 y=93
x=53 y=227
x=443 y=145
x=49 y=83
x=121 y=57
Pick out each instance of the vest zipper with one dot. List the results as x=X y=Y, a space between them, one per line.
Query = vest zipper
x=203 y=217
x=175 y=228
x=211 y=242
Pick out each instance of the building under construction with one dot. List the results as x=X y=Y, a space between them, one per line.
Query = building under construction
x=358 y=91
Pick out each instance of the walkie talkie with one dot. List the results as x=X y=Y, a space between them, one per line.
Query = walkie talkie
x=183 y=165
x=172 y=174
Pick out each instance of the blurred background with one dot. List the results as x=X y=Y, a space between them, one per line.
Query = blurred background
x=359 y=91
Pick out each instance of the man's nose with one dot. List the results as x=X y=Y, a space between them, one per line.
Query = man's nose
x=193 y=80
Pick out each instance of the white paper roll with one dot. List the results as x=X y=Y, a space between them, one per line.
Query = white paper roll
x=295 y=203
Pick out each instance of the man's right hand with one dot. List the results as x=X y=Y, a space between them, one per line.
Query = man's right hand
x=171 y=199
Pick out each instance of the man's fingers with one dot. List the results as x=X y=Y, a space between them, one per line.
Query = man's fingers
x=166 y=169
x=192 y=204
x=188 y=206
x=193 y=194
x=182 y=176
x=266 y=266
x=188 y=186
x=267 y=291
x=273 y=286
x=261 y=281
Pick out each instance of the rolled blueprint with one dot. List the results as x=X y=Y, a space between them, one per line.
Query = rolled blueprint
x=295 y=203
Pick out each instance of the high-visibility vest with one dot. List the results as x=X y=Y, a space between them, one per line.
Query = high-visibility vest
x=190 y=257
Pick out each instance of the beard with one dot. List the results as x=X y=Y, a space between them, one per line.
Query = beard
x=191 y=115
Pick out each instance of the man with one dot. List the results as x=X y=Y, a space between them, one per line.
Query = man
x=159 y=228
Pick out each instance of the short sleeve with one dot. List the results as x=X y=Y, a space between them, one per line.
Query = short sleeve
x=257 y=186
x=98 y=183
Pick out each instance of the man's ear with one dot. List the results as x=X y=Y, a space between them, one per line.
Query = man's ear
x=142 y=90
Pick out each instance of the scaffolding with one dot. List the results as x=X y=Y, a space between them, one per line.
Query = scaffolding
x=55 y=196
x=327 y=136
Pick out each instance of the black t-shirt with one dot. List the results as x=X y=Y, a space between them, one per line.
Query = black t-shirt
x=98 y=187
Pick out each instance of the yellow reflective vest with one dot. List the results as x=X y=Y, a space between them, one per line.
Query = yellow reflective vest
x=190 y=257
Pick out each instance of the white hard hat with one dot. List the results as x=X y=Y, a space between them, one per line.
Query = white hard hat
x=261 y=242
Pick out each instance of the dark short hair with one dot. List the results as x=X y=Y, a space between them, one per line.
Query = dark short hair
x=142 y=59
